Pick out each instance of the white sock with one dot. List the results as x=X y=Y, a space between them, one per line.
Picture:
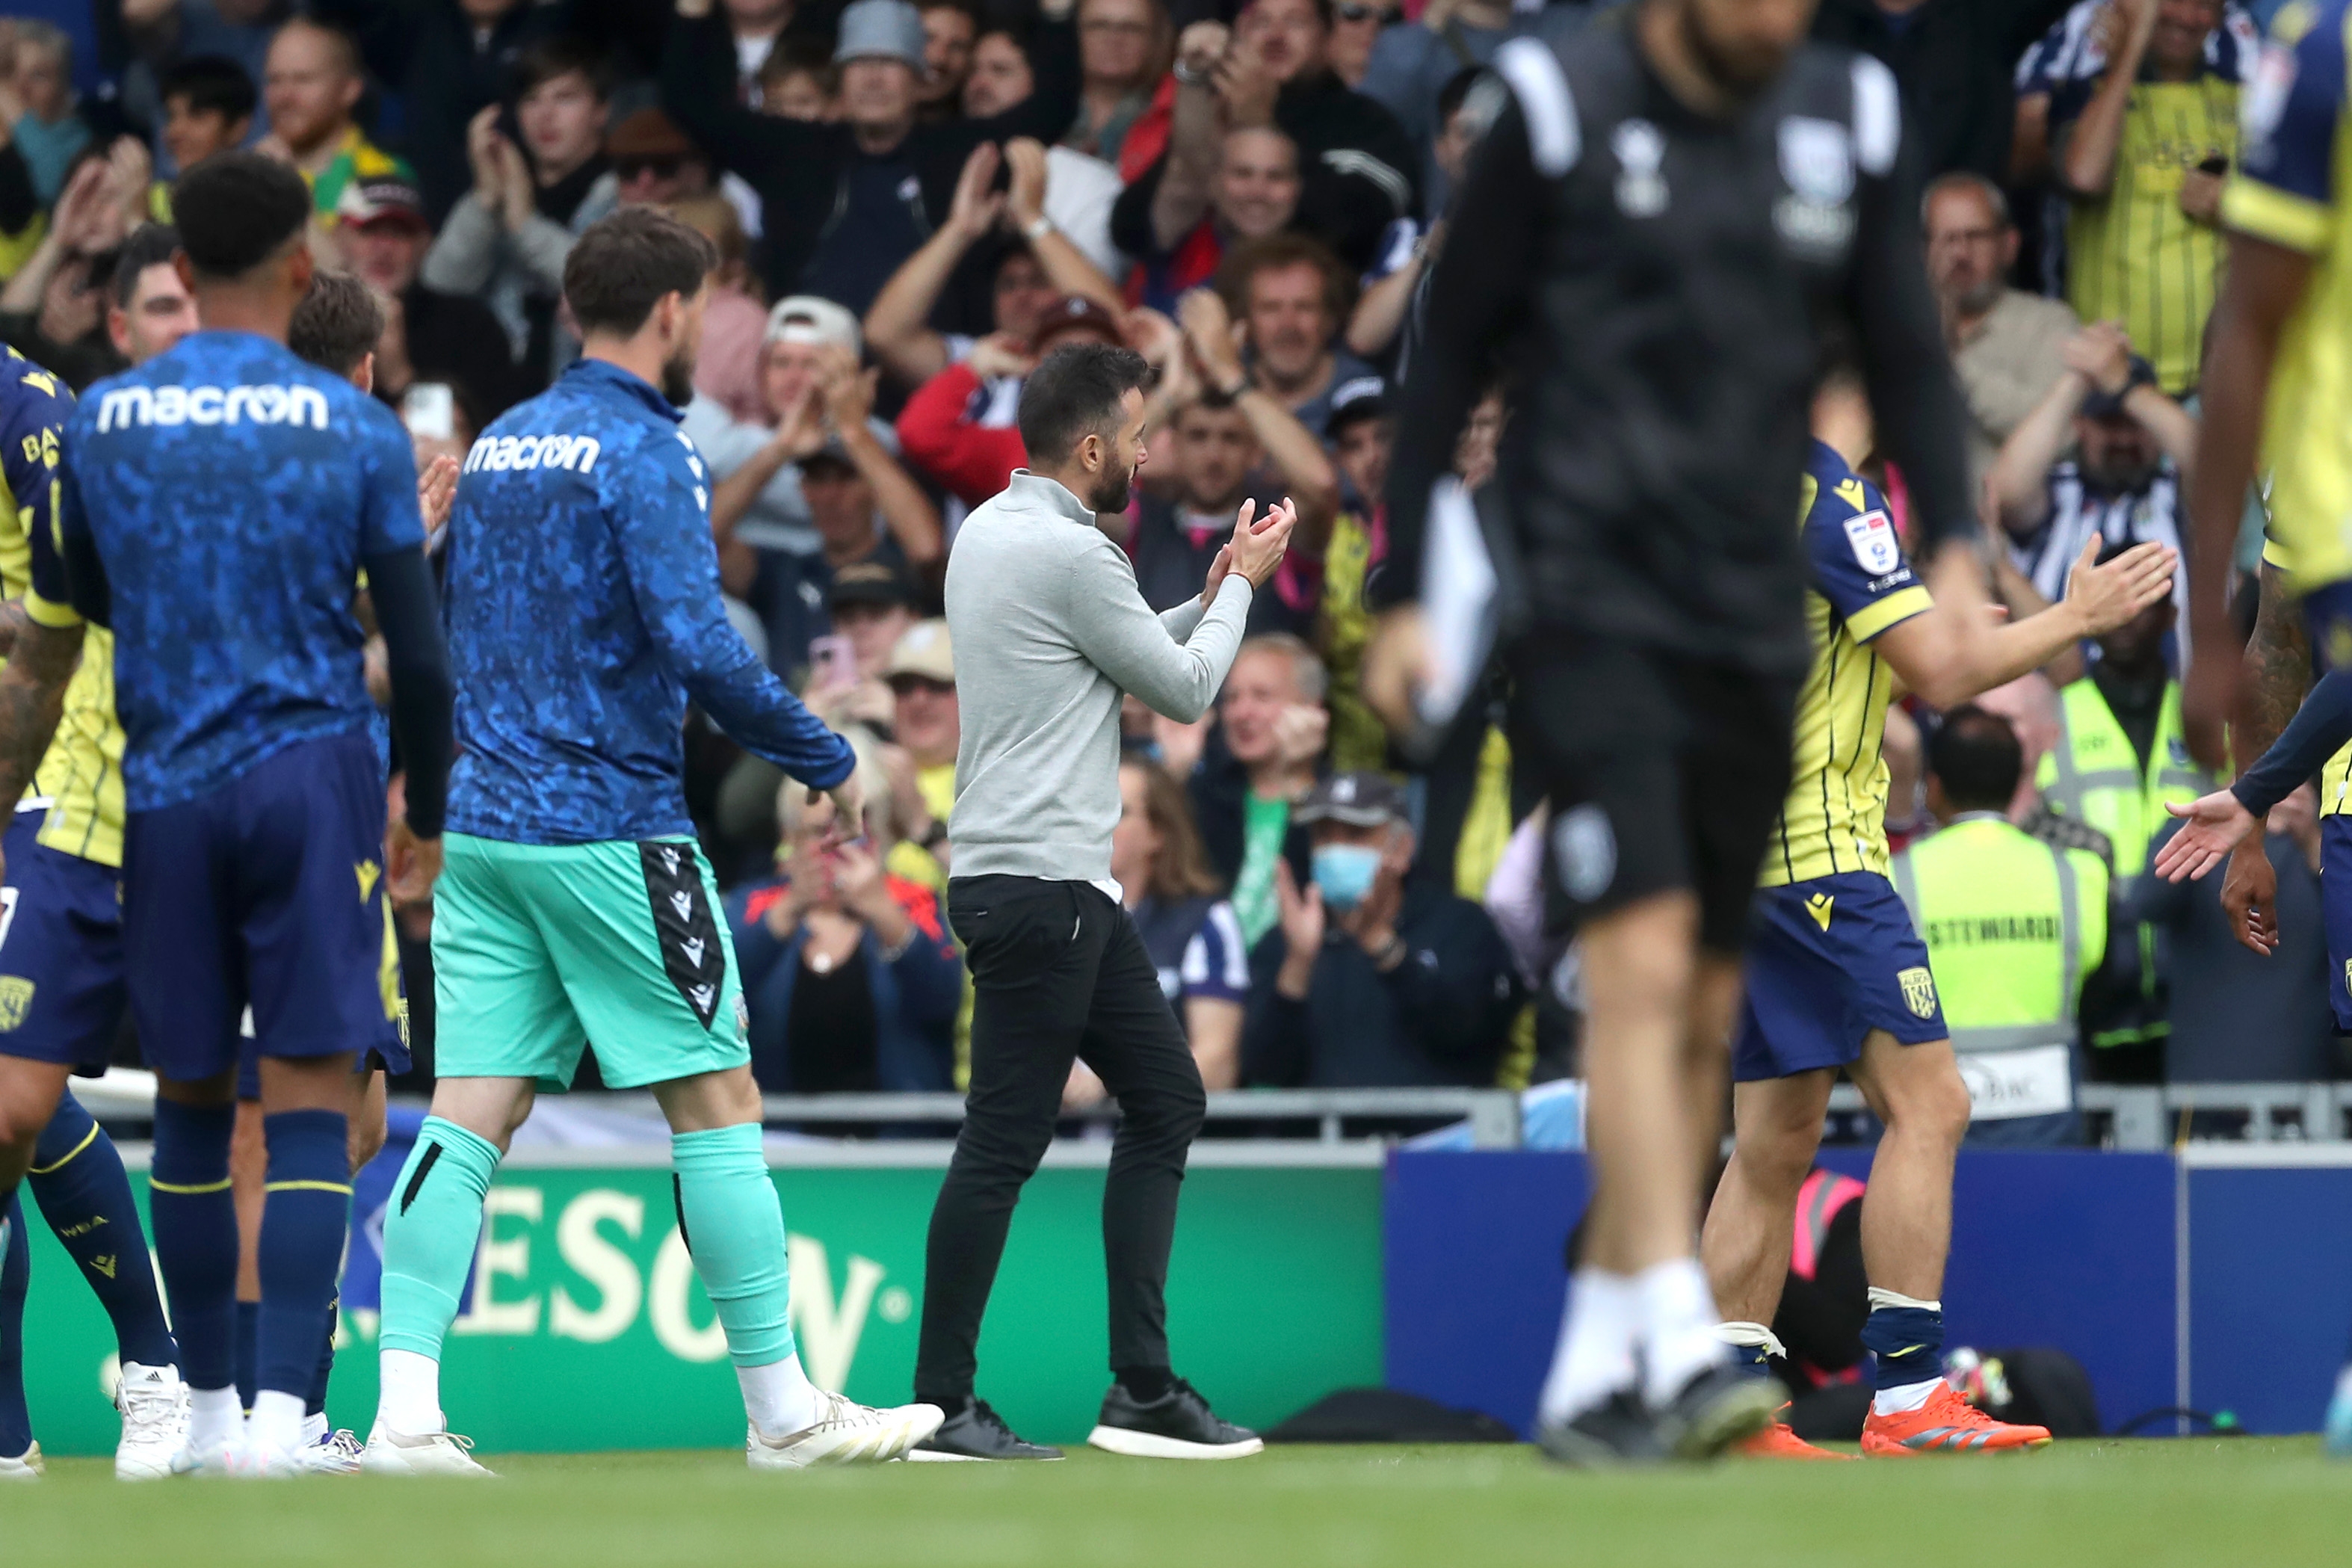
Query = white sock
x=1678 y=1325
x=1595 y=1354
x=215 y=1416
x=276 y=1419
x=1910 y=1396
x=779 y=1397
x=410 y=1402
x=1881 y=1296
x=314 y=1427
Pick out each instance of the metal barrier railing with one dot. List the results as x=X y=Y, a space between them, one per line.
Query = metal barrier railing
x=1493 y=1113
x=2159 y=1116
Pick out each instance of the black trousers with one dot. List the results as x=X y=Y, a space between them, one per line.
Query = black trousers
x=1058 y=974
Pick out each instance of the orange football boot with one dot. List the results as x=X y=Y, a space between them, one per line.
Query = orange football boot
x=1947 y=1424
x=1778 y=1441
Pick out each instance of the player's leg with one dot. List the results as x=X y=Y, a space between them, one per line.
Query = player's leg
x=1906 y=1231
x=1746 y=1242
x=305 y=829
x=1032 y=966
x=430 y=1233
x=324 y=1447
x=2336 y=909
x=505 y=1027
x=20 y=1456
x=650 y=974
x=77 y=1178
x=1135 y=1045
x=194 y=1218
x=249 y=1170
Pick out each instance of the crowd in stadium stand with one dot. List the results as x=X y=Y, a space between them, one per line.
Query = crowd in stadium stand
x=913 y=200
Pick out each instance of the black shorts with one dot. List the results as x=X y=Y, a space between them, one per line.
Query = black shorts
x=1665 y=775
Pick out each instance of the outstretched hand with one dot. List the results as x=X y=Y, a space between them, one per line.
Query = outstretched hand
x=2212 y=826
x=2108 y=596
x=436 y=488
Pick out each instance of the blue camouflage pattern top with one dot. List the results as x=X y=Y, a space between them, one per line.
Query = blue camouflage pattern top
x=583 y=611
x=231 y=492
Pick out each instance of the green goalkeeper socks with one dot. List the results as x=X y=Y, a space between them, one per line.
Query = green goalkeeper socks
x=429 y=1233
x=735 y=1232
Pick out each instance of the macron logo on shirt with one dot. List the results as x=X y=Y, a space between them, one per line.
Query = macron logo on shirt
x=512 y=454
x=123 y=406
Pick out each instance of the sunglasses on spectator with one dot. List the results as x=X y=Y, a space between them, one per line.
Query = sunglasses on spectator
x=904 y=684
x=1358 y=12
x=659 y=168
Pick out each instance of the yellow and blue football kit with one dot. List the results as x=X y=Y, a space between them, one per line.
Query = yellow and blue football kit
x=2292 y=191
x=1831 y=954
x=61 y=967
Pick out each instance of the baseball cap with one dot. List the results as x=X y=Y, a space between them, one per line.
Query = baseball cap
x=2101 y=405
x=368 y=202
x=1074 y=310
x=808 y=319
x=1360 y=397
x=1357 y=799
x=869 y=583
x=880 y=29
x=923 y=652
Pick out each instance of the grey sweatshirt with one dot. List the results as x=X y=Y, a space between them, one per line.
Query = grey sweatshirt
x=1049 y=629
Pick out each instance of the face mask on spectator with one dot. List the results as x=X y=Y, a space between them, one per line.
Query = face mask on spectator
x=1346 y=873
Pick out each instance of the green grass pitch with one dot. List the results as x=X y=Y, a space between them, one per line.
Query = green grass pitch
x=2246 y=1500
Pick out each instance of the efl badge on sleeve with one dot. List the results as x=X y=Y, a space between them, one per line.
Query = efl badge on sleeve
x=1875 y=545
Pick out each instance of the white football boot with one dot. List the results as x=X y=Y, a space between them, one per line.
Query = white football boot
x=154 y=1405
x=844 y=1434
x=391 y=1453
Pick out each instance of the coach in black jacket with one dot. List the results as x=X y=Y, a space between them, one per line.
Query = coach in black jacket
x=804 y=171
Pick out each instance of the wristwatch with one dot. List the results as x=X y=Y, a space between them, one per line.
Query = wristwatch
x=1036 y=229
x=934 y=836
x=1391 y=954
x=1185 y=75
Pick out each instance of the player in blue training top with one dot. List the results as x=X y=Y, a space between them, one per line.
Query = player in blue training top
x=1836 y=977
x=584 y=613
x=219 y=503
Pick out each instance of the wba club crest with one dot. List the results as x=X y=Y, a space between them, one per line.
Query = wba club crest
x=15 y=1000
x=1919 y=991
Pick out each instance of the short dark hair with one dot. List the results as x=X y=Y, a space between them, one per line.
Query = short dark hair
x=212 y=84
x=795 y=57
x=150 y=245
x=970 y=8
x=1074 y=393
x=1276 y=252
x=1975 y=755
x=625 y=262
x=1456 y=93
x=237 y=210
x=337 y=324
x=564 y=55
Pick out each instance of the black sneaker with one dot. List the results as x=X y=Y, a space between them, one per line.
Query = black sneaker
x=1716 y=1408
x=1179 y=1425
x=1618 y=1431
x=976 y=1432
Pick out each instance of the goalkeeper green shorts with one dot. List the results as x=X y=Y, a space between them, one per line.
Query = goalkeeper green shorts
x=539 y=950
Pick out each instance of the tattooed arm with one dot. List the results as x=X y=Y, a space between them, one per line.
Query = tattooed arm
x=32 y=696
x=2277 y=665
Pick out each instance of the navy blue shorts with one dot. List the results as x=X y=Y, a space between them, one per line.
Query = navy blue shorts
x=61 y=994
x=1828 y=961
x=266 y=892
x=2336 y=909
